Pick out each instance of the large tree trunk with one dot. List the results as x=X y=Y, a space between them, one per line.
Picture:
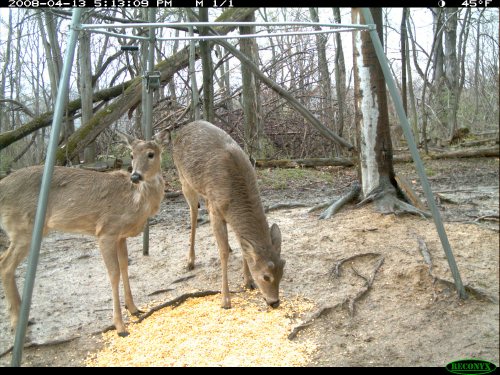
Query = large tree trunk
x=207 y=66
x=254 y=144
x=375 y=148
x=372 y=114
x=451 y=68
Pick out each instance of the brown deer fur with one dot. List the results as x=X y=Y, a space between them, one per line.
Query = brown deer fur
x=110 y=206
x=212 y=165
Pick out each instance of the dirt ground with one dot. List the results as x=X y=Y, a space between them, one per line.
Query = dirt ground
x=410 y=316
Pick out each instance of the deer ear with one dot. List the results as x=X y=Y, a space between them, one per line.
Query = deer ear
x=125 y=138
x=276 y=236
x=164 y=137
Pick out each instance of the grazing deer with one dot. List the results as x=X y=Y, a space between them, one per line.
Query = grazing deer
x=211 y=164
x=110 y=206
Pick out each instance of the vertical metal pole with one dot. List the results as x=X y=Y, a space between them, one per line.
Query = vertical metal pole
x=36 y=238
x=147 y=107
x=396 y=97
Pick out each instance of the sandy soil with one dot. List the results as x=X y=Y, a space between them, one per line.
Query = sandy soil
x=410 y=316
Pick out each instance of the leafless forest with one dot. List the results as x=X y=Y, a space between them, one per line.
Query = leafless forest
x=445 y=62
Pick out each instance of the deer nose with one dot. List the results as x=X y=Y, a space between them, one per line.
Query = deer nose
x=135 y=177
x=274 y=304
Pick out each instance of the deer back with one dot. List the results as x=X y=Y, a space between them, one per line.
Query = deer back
x=89 y=202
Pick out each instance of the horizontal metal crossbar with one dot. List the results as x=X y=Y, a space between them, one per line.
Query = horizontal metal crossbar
x=338 y=28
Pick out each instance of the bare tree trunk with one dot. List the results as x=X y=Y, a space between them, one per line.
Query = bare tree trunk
x=207 y=66
x=371 y=109
x=254 y=143
x=451 y=67
x=411 y=93
x=325 y=82
x=223 y=80
x=192 y=73
x=476 y=66
x=3 y=79
x=403 y=60
x=85 y=85
x=340 y=76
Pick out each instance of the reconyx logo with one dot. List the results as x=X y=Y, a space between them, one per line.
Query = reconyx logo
x=470 y=367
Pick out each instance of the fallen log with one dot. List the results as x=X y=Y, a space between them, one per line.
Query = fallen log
x=472 y=153
x=493 y=151
x=303 y=163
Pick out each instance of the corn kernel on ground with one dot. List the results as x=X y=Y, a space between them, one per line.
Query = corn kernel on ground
x=200 y=333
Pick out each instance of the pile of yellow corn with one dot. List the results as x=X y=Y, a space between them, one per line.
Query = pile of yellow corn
x=200 y=333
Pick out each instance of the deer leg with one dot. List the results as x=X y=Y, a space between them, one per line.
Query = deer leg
x=219 y=227
x=123 y=262
x=109 y=252
x=247 y=276
x=15 y=254
x=192 y=198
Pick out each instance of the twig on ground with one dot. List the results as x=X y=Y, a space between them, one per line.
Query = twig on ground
x=160 y=291
x=185 y=278
x=176 y=302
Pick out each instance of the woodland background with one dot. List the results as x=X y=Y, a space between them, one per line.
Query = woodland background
x=445 y=62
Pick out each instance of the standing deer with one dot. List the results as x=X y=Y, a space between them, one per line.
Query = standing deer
x=211 y=164
x=110 y=206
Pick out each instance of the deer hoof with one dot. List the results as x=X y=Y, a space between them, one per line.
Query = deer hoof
x=190 y=266
x=123 y=334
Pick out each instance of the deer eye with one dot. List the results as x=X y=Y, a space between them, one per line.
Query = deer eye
x=151 y=155
x=131 y=156
x=267 y=278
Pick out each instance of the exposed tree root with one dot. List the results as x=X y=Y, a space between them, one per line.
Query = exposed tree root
x=336 y=269
x=349 y=302
x=479 y=294
x=335 y=207
x=312 y=318
x=322 y=205
x=386 y=202
x=280 y=206
x=368 y=284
